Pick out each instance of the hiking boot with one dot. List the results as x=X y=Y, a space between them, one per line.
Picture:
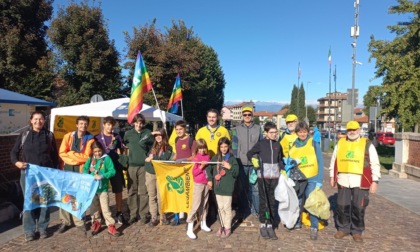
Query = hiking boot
x=271 y=234
x=96 y=226
x=132 y=221
x=204 y=227
x=340 y=235
x=190 y=231
x=29 y=237
x=226 y=233
x=153 y=222
x=314 y=234
x=264 y=232
x=62 y=228
x=120 y=218
x=113 y=231
x=357 y=237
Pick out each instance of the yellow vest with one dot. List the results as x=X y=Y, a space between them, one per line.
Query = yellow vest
x=350 y=155
x=286 y=142
x=307 y=156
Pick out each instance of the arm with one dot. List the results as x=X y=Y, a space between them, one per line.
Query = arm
x=375 y=166
x=234 y=167
x=332 y=164
x=14 y=154
x=255 y=150
x=108 y=170
x=54 y=151
x=86 y=166
x=81 y=157
x=320 y=160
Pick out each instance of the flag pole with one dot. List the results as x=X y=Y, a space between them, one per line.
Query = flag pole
x=160 y=111
x=182 y=110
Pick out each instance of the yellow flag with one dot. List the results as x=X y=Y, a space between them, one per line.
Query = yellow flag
x=175 y=185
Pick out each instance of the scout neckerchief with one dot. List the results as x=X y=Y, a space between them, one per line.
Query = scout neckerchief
x=220 y=171
x=75 y=144
x=93 y=164
x=212 y=132
x=111 y=146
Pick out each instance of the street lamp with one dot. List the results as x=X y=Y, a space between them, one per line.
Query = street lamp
x=306 y=105
x=354 y=33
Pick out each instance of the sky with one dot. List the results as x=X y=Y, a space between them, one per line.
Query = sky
x=261 y=43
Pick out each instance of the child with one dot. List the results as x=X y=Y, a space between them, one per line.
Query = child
x=271 y=154
x=222 y=178
x=201 y=189
x=101 y=167
x=161 y=150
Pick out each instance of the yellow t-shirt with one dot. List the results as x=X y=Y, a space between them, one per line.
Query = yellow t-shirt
x=212 y=136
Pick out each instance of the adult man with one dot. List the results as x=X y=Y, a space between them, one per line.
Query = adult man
x=75 y=149
x=244 y=137
x=112 y=144
x=138 y=140
x=355 y=170
x=212 y=132
x=289 y=136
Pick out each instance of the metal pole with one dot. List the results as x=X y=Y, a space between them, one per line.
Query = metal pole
x=354 y=35
x=306 y=105
x=297 y=106
x=336 y=106
x=329 y=107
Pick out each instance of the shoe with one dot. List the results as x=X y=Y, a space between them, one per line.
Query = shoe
x=357 y=237
x=132 y=221
x=62 y=228
x=190 y=231
x=144 y=220
x=204 y=227
x=298 y=226
x=220 y=232
x=264 y=232
x=182 y=221
x=120 y=218
x=113 y=231
x=82 y=228
x=340 y=235
x=271 y=234
x=29 y=237
x=226 y=233
x=314 y=234
x=96 y=226
x=153 y=222
x=164 y=220
x=43 y=235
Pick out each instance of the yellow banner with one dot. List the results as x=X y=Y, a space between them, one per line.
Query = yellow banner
x=65 y=124
x=176 y=185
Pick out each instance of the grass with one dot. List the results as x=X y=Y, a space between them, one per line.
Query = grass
x=386 y=157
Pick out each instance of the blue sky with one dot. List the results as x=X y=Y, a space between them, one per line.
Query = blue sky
x=260 y=43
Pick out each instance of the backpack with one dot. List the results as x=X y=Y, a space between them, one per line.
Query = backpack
x=25 y=135
x=190 y=142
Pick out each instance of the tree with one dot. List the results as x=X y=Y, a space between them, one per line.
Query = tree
x=297 y=102
x=311 y=115
x=293 y=102
x=301 y=103
x=25 y=60
x=88 y=60
x=370 y=99
x=178 y=50
x=398 y=64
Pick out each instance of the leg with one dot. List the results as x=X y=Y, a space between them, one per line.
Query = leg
x=196 y=201
x=343 y=209
x=152 y=192
x=132 y=197
x=263 y=201
x=360 y=201
x=104 y=203
x=144 y=197
x=44 y=219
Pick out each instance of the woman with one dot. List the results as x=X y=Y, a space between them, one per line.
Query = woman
x=312 y=166
x=37 y=146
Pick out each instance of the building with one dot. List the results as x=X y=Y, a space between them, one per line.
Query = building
x=333 y=111
x=232 y=115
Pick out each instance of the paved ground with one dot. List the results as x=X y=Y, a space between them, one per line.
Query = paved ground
x=392 y=224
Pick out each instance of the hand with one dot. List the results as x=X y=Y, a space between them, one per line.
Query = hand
x=318 y=185
x=210 y=185
x=97 y=177
x=255 y=163
x=21 y=165
x=373 y=187
x=226 y=165
x=333 y=183
x=92 y=169
x=203 y=164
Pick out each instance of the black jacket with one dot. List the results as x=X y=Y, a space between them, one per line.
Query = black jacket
x=271 y=155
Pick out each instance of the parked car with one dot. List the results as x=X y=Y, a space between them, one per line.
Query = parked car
x=385 y=138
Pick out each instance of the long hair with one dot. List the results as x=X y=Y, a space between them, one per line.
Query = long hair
x=201 y=144
x=223 y=140
x=157 y=147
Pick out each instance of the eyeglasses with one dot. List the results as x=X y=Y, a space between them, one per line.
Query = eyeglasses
x=247 y=114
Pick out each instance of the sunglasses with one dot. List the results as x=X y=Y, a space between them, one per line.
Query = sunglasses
x=247 y=114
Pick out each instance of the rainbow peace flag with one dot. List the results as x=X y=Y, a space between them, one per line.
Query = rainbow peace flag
x=176 y=96
x=141 y=85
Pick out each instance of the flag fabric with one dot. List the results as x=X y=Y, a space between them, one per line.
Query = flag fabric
x=329 y=56
x=141 y=85
x=71 y=191
x=299 y=72
x=175 y=185
x=176 y=96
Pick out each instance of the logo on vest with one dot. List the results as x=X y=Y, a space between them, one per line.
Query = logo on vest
x=304 y=160
x=350 y=154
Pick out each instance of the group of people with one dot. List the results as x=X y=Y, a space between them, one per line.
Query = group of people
x=240 y=167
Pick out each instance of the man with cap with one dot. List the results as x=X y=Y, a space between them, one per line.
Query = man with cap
x=289 y=135
x=244 y=137
x=355 y=170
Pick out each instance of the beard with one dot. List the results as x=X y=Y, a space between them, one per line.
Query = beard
x=353 y=137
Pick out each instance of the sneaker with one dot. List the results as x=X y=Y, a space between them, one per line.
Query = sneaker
x=271 y=234
x=120 y=218
x=132 y=221
x=43 y=235
x=264 y=232
x=29 y=237
x=62 y=228
x=153 y=222
x=340 y=235
x=314 y=234
x=164 y=220
x=357 y=237
x=226 y=233
x=113 y=231
x=96 y=226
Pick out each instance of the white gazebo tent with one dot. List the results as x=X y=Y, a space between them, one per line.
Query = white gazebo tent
x=117 y=108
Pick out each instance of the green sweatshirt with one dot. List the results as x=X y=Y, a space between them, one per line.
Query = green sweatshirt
x=226 y=184
x=104 y=167
x=162 y=156
x=139 y=145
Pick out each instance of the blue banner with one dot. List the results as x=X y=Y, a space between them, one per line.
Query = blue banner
x=70 y=191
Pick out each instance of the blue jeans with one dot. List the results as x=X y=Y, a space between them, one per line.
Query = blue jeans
x=314 y=220
x=29 y=218
x=250 y=201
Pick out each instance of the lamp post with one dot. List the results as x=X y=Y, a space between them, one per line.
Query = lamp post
x=306 y=105
x=354 y=34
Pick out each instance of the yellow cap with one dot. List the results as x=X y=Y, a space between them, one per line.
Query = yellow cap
x=291 y=118
x=247 y=109
x=353 y=125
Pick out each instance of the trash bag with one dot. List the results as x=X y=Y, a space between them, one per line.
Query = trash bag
x=307 y=221
x=317 y=204
x=288 y=202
